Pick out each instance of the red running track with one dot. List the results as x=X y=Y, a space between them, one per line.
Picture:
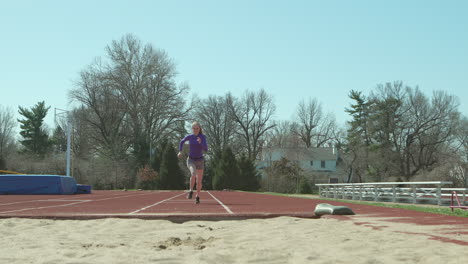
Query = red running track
x=220 y=205
x=154 y=205
x=214 y=204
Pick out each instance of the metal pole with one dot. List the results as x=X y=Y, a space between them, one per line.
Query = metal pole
x=68 y=145
x=150 y=152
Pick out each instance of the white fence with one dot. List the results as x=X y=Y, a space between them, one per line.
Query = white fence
x=413 y=192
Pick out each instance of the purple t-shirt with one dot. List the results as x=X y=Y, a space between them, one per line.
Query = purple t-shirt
x=196 y=149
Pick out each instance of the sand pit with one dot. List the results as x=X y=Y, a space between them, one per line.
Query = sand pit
x=276 y=240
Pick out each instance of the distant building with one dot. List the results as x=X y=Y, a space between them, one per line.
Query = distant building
x=309 y=159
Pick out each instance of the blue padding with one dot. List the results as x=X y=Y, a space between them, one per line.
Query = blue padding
x=83 y=189
x=37 y=184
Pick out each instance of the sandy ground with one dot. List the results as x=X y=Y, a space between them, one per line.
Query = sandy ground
x=276 y=240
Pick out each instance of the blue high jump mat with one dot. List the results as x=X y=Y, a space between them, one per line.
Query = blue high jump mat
x=39 y=184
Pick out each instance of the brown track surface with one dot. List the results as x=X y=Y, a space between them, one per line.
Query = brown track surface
x=154 y=205
x=220 y=205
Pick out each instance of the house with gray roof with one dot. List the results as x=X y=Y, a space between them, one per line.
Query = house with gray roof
x=309 y=159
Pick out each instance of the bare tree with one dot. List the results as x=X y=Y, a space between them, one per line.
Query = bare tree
x=282 y=135
x=461 y=142
x=83 y=140
x=107 y=111
x=253 y=113
x=433 y=127
x=385 y=118
x=133 y=97
x=218 y=124
x=145 y=77
x=7 y=125
x=339 y=137
x=409 y=129
x=309 y=115
x=327 y=131
x=313 y=127
x=400 y=132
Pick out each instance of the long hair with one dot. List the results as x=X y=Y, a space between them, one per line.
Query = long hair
x=198 y=124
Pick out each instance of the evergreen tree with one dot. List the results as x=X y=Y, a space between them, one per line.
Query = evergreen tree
x=208 y=176
x=227 y=173
x=59 y=139
x=158 y=155
x=2 y=163
x=283 y=176
x=35 y=139
x=141 y=149
x=248 y=175
x=304 y=186
x=210 y=168
x=170 y=174
x=360 y=113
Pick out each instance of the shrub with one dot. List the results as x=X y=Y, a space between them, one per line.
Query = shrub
x=147 y=178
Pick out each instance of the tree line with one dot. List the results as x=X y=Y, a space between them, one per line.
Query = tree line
x=130 y=113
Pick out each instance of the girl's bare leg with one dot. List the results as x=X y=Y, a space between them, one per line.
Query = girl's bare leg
x=192 y=181
x=193 y=175
x=199 y=181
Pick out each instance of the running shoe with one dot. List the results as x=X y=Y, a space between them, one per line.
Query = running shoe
x=197 y=200
x=189 y=196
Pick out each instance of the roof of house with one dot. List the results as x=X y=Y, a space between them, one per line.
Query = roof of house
x=326 y=153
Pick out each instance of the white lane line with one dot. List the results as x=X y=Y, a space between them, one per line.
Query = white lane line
x=32 y=201
x=71 y=199
x=160 y=202
x=112 y=198
x=223 y=205
x=48 y=200
x=187 y=201
x=152 y=214
x=63 y=205
x=59 y=200
x=42 y=207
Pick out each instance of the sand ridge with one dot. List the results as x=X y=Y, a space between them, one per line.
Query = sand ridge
x=275 y=240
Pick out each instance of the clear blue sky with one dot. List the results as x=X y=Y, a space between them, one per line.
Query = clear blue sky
x=293 y=49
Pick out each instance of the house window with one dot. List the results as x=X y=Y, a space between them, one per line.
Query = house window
x=322 y=164
x=311 y=163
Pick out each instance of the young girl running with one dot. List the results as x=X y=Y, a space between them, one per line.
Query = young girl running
x=195 y=160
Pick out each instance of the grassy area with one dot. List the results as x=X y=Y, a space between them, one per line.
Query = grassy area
x=444 y=210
